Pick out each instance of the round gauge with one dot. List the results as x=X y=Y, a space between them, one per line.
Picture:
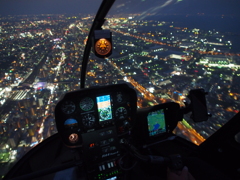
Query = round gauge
x=121 y=113
x=70 y=123
x=119 y=97
x=73 y=138
x=68 y=107
x=86 y=104
x=103 y=47
x=88 y=120
x=105 y=114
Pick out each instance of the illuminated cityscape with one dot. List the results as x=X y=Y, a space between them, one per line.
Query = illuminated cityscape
x=40 y=59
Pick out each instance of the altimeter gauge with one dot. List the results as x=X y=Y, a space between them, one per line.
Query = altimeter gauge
x=86 y=104
x=88 y=120
x=68 y=107
x=121 y=113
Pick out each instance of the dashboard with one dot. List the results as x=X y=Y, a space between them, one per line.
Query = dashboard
x=88 y=110
x=95 y=120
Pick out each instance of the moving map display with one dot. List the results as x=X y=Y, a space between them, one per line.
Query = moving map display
x=156 y=122
x=104 y=107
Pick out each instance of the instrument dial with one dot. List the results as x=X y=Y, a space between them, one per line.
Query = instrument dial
x=86 y=104
x=68 y=107
x=88 y=120
x=119 y=97
x=73 y=138
x=70 y=122
x=121 y=113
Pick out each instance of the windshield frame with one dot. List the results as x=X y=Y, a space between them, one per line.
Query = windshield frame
x=97 y=24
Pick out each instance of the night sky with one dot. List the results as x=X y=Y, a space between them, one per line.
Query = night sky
x=213 y=7
x=22 y=7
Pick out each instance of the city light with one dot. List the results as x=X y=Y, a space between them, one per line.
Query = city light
x=161 y=60
x=151 y=89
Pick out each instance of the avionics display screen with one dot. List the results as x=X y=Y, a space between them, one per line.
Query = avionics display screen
x=156 y=122
x=104 y=107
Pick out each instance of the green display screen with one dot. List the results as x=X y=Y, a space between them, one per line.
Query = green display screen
x=156 y=122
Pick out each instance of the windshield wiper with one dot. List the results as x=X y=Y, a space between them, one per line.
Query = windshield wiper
x=97 y=24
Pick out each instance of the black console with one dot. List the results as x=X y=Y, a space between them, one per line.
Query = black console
x=95 y=120
x=101 y=152
x=156 y=123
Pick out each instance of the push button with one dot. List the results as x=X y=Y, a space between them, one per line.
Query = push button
x=102 y=133
x=109 y=131
x=111 y=140
x=112 y=148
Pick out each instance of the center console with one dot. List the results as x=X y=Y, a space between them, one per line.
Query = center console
x=95 y=120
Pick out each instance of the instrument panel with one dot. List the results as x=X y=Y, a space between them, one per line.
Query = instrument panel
x=88 y=110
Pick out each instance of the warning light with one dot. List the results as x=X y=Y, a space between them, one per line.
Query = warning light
x=92 y=145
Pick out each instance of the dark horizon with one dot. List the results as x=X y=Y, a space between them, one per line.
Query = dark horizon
x=33 y=7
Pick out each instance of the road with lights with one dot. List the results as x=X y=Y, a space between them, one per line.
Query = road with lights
x=191 y=133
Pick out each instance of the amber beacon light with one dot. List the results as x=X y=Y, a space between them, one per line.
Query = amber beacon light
x=102 y=43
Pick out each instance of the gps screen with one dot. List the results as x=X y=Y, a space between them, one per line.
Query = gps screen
x=156 y=122
x=104 y=107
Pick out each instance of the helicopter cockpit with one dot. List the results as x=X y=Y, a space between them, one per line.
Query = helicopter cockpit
x=101 y=135
x=104 y=133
